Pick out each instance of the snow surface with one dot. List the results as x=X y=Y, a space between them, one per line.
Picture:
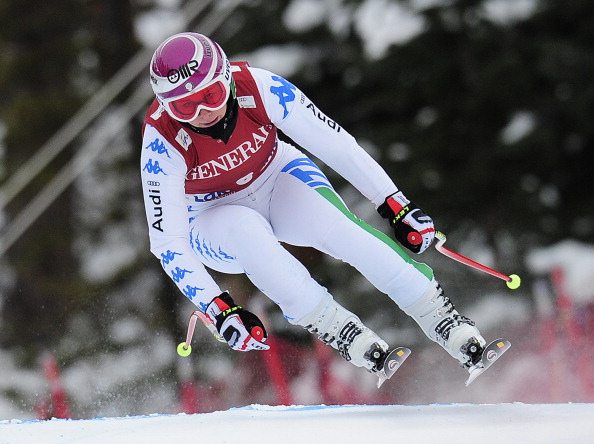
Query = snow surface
x=501 y=423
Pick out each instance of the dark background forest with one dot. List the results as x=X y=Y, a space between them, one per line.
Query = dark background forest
x=482 y=114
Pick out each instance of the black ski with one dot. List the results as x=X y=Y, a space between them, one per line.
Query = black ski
x=392 y=363
x=491 y=353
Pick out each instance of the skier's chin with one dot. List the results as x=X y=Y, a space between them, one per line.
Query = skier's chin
x=209 y=121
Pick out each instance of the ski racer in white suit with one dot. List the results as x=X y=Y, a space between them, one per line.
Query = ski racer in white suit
x=221 y=191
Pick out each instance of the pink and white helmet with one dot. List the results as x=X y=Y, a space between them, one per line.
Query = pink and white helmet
x=190 y=72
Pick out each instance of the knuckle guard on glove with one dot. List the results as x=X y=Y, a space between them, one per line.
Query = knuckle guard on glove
x=242 y=329
x=412 y=227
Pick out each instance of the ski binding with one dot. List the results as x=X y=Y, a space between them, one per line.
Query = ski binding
x=491 y=353
x=392 y=363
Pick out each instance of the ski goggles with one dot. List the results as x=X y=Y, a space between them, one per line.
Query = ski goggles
x=187 y=108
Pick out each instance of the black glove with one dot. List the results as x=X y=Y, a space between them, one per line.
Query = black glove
x=241 y=329
x=412 y=227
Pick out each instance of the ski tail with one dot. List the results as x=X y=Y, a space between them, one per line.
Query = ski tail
x=394 y=359
x=491 y=353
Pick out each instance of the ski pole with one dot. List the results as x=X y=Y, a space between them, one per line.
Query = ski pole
x=184 y=348
x=513 y=281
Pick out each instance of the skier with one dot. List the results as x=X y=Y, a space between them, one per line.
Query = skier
x=221 y=190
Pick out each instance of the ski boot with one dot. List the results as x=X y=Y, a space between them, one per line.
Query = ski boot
x=441 y=322
x=342 y=330
x=473 y=350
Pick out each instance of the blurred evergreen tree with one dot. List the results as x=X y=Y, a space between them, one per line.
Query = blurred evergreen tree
x=40 y=52
x=53 y=60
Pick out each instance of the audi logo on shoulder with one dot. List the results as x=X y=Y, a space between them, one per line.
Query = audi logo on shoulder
x=183 y=72
x=153 y=183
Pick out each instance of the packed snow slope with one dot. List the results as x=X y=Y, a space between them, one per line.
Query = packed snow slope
x=492 y=423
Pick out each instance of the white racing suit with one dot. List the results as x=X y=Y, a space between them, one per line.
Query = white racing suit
x=291 y=200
